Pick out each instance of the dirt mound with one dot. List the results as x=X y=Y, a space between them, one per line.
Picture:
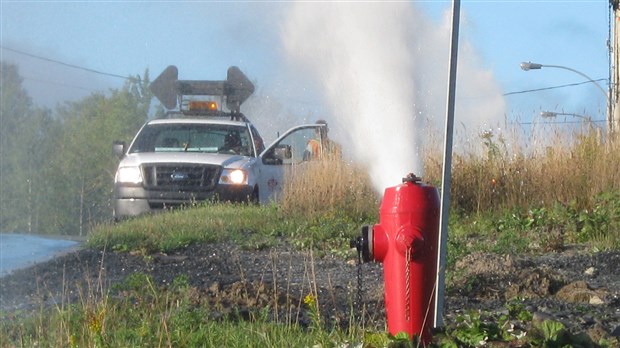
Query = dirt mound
x=486 y=276
x=580 y=289
x=230 y=279
x=581 y=292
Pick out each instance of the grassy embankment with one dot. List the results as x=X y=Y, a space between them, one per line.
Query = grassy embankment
x=504 y=200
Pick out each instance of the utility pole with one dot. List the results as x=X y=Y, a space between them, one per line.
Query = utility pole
x=613 y=118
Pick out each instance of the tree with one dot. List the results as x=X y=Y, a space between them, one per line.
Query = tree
x=57 y=171
x=23 y=147
x=83 y=165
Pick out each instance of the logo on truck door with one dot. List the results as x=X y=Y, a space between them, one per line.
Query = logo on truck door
x=272 y=183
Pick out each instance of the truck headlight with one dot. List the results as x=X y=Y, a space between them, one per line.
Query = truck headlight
x=129 y=175
x=233 y=176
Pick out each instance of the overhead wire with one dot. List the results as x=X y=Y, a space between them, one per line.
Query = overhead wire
x=560 y=122
x=552 y=87
x=68 y=64
x=134 y=79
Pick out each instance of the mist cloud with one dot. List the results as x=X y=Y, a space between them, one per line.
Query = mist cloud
x=383 y=71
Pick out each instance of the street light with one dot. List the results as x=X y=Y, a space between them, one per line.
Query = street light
x=551 y=114
x=527 y=66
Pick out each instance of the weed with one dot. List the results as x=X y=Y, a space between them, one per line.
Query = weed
x=517 y=310
x=315 y=316
x=550 y=333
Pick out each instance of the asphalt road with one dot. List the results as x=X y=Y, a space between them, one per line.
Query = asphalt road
x=23 y=250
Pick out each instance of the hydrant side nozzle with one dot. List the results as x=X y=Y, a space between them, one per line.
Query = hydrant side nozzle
x=367 y=247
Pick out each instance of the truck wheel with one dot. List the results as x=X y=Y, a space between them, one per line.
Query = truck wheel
x=254 y=198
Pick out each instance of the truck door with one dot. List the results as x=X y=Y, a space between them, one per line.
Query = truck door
x=282 y=158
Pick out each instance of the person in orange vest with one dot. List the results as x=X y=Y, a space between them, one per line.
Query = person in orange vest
x=321 y=146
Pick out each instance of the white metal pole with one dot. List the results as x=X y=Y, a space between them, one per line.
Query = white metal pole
x=447 y=169
x=613 y=119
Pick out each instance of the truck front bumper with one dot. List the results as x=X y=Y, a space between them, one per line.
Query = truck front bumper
x=133 y=201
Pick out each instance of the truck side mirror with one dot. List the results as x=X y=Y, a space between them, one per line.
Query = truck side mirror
x=283 y=152
x=118 y=148
x=278 y=154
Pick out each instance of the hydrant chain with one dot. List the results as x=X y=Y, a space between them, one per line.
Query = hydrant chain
x=360 y=305
x=407 y=284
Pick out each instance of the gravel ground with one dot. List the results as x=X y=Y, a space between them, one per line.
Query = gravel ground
x=580 y=289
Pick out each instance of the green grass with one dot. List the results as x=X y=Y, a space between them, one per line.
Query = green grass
x=137 y=313
x=249 y=226
x=142 y=315
x=504 y=201
x=538 y=229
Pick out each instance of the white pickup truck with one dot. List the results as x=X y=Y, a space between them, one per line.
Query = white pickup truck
x=202 y=153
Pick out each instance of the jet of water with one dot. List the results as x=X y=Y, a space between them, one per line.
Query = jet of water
x=382 y=69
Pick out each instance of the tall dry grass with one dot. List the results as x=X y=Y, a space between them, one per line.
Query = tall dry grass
x=510 y=171
x=497 y=171
x=333 y=185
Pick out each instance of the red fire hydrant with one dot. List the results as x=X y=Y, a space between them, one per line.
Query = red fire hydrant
x=405 y=241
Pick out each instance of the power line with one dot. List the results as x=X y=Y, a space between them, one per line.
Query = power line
x=553 y=87
x=67 y=64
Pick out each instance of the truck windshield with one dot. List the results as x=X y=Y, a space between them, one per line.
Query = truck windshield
x=211 y=138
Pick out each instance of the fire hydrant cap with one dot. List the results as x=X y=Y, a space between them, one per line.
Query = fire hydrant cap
x=412 y=178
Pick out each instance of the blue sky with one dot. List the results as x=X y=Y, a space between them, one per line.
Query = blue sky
x=266 y=40
x=204 y=38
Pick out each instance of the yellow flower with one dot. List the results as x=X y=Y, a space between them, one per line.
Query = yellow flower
x=310 y=300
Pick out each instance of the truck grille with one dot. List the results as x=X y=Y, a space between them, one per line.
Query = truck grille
x=180 y=177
